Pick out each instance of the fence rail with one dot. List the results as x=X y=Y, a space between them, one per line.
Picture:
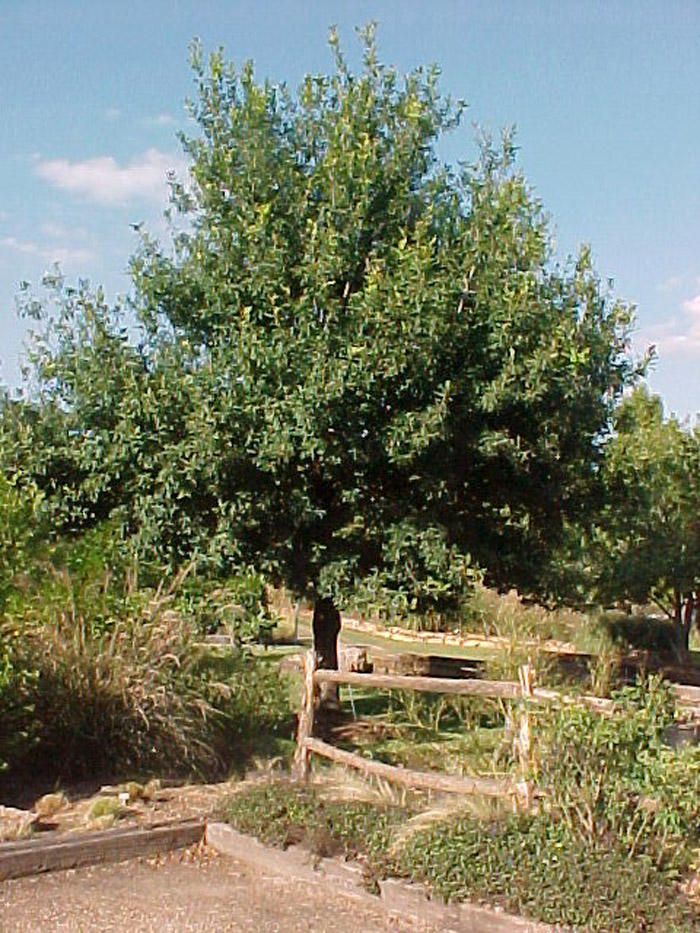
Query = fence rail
x=523 y=690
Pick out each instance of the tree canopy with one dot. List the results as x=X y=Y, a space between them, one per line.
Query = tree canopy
x=647 y=539
x=353 y=363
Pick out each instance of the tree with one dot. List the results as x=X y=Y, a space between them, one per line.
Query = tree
x=355 y=363
x=647 y=541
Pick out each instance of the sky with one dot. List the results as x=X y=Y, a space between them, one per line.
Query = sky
x=604 y=95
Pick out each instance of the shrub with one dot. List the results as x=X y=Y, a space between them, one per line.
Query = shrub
x=645 y=633
x=615 y=777
x=282 y=813
x=237 y=604
x=18 y=526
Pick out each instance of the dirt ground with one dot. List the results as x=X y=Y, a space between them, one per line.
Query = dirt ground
x=73 y=809
x=192 y=891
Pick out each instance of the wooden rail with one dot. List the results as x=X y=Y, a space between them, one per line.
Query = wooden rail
x=423 y=780
x=506 y=689
x=687 y=698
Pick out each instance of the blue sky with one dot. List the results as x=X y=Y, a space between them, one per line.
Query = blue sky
x=604 y=95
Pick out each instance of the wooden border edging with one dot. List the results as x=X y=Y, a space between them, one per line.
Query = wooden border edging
x=292 y=863
x=424 y=780
x=396 y=897
x=33 y=856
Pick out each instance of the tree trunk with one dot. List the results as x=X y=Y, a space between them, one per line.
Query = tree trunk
x=326 y=628
x=682 y=618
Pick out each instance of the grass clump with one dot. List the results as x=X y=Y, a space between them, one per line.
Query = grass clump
x=105 y=808
x=129 y=695
x=123 y=700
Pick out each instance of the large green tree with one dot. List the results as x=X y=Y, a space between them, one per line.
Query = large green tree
x=646 y=541
x=353 y=363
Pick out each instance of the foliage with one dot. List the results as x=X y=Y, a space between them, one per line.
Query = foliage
x=355 y=363
x=18 y=529
x=643 y=632
x=236 y=604
x=646 y=543
x=255 y=700
x=282 y=814
x=532 y=866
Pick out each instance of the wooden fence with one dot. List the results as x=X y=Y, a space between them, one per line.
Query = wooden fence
x=522 y=691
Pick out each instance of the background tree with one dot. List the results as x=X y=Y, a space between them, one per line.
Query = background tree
x=647 y=543
x=355 y=363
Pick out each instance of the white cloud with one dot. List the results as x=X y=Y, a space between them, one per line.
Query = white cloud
x=112 y=113
x=692 y=306
x=161 y=119
x=58 y=231
x=672 y=283
x=104 y=181
x=680 y=335
x=64 y=255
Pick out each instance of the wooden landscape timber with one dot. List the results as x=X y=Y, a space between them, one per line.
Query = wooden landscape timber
x=34 y=856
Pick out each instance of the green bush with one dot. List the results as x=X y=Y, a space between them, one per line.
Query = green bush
x=237 y=604
x=18 y=525
x=644 y=633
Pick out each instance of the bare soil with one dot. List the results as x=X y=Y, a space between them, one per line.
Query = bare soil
x=183 y=802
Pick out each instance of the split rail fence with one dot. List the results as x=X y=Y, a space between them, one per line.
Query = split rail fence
x=522 y=691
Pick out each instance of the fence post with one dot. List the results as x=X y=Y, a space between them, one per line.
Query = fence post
x=305 y=727
x=525 y=789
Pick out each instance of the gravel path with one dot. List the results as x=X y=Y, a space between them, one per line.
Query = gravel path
x=195 y=891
